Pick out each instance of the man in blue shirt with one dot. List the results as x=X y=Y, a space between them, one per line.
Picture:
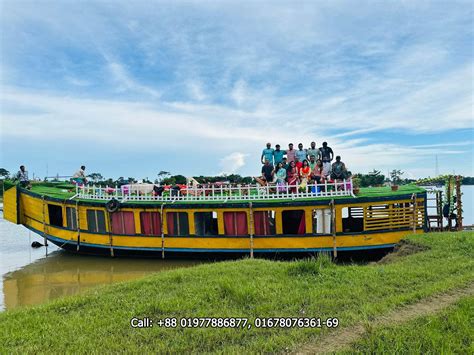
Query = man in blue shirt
x=267 y=154
x=301 y=153
x=278 y=154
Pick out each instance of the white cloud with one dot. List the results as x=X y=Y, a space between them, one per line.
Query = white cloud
x=232 y=163
x=126 y=82
x=196 y=90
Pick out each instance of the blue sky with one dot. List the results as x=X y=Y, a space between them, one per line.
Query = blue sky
x=199 y=87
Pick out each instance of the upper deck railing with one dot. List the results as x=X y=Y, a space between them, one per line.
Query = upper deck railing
x=214 y=192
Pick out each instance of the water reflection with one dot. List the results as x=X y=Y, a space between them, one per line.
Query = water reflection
x=62 y=274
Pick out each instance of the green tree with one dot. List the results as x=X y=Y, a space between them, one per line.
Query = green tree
x=96 y=177
x=4 y=173
x=163 y=175
x=396 y=175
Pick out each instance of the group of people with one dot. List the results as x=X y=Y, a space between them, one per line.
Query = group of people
x=300 y=167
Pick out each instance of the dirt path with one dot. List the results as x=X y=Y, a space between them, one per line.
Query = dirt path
x=337 y=340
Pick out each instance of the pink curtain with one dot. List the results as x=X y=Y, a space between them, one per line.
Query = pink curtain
x=151 y=223
x=302 y=226
x=235 y=223
x=123 y=223
x=170 y=216
x=262 y=223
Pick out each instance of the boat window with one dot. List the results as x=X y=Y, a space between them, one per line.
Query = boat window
x=293 y=222
x=178 y=224
x=123 y=222
x=352 y=219
x=151 y=223
x=205 y=223
x=71 y=218
x=55 y=215
x=322 y=221
x=96 y=221
x=235 y=223
x=264 y=222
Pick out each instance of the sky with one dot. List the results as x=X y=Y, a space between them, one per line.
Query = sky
x=199 y=87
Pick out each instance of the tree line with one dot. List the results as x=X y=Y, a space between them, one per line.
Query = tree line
x=373 y=178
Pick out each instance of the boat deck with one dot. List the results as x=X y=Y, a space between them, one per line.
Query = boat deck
x=64 y=191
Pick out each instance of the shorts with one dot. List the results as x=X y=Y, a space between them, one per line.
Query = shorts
x=326 y=168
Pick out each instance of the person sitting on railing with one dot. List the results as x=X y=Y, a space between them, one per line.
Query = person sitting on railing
x=280 y=174
x=267 y=174
x=339 y=171
x=22 y=177
x=305 y=175
x=292 y=177
x=317 y=172
x=79 y=176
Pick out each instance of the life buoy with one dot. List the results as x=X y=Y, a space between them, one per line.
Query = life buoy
x=113 y=205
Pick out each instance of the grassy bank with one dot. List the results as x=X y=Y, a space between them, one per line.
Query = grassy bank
x=449 y=332
x=245 y=288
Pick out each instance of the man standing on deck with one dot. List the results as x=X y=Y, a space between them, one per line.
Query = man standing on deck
x=278 y=154
x=22 y=177
x=267 y=154
x=326 y=155
x=290 y=153
x=313 y=152
x=301 y=153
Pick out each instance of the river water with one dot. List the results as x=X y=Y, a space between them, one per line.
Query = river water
x=30 y=277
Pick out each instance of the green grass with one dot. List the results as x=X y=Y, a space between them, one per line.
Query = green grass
x=245 y=288
x=449 y=332
x=66 y=191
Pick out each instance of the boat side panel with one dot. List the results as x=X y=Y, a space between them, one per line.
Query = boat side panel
x=10 y=205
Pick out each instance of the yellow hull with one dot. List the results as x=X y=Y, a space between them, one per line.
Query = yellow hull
x=31 y=210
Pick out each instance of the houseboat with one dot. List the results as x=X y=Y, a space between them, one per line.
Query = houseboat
x=148 y=220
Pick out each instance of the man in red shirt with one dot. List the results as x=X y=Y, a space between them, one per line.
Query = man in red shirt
x=290 y=153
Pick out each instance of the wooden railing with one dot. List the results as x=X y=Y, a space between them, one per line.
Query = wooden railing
x=214 y=192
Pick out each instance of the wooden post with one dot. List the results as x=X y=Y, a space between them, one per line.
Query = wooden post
x=44 y=226
x=458 y=203
x=162 y=232
x=333 y=229
x=77 y=225
x=415 y=217
x=251 y=229
x=110 y=234
x=448 y=197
